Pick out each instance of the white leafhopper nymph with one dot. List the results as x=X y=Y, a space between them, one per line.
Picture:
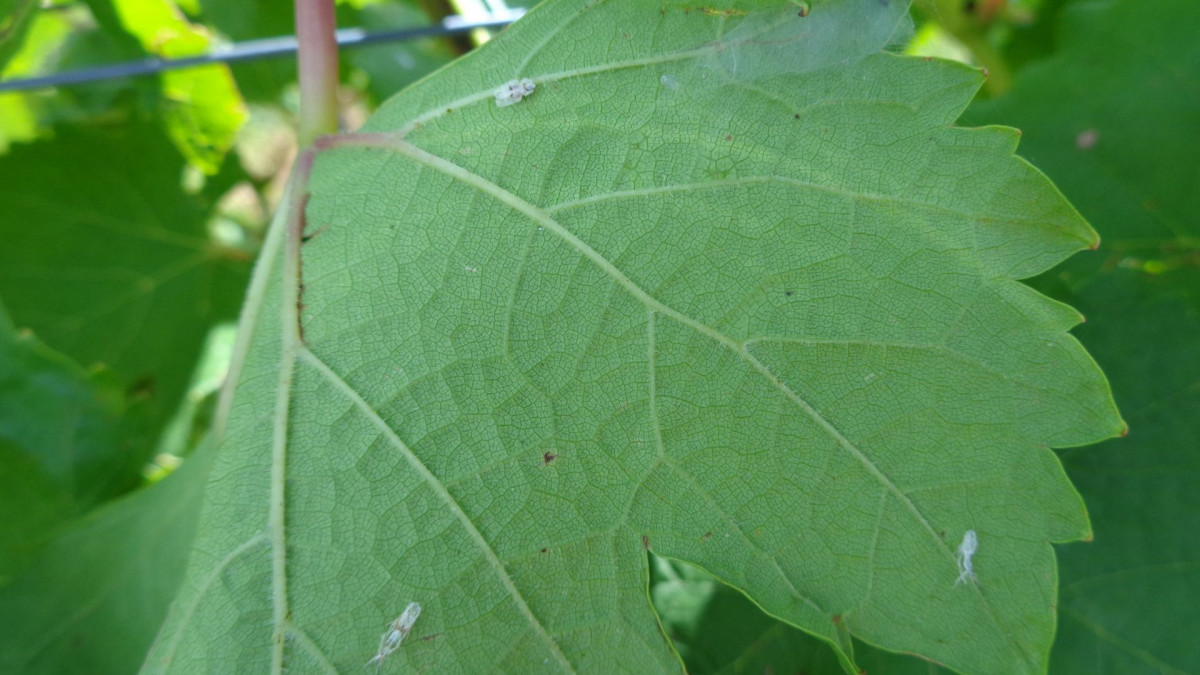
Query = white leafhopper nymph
x=970 y=543
x=395 y=633
x=513 y=91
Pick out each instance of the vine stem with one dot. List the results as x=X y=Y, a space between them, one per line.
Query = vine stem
x=316 y=27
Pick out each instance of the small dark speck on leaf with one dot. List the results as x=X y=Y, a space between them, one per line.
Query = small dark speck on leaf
x=143 y=386
x=545 y=550
x=645 y=542
x=941 y=533
x=796 y=116
x=788 y=293
x=837 y=618
x=304 y=239
x=429 y=638
x=549 y=457
x=707 y=536
x=729 y=137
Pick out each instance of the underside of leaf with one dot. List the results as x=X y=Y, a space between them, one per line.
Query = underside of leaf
x=726 y=285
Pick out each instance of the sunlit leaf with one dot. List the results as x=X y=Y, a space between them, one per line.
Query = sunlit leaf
x=202 y=107
x=15 y=18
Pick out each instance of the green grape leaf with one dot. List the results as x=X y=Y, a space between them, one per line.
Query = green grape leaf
x=718 y=630
x=727 y=285
x=108 y=260
x=94 y=598
x=202 y=108
x=15 y=19
x=391 y=67
x=1112 y=118
x=64 y=446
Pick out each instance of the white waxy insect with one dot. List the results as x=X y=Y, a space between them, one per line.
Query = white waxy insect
x=669 y=82
x=513 y=91
x=970 y=543
x=395 y=633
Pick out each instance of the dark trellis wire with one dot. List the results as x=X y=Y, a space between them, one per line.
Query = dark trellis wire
x=253 y=50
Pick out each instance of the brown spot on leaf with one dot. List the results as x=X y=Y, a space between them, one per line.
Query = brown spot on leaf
x=707 y=536
x=430 y=638
x=548 y=458
x=311 y=235
x=1124 y=431
x=729 y=137
x=143 y=386
x=837 y=618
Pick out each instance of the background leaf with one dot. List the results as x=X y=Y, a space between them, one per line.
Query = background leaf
x=107 y=258
x=64 y=444
x=95 y=597
x=15 y=19
x=202 y=107
x=726 y=286
x=1112 y=118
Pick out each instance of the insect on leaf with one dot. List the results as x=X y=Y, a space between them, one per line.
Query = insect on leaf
x=767 y=321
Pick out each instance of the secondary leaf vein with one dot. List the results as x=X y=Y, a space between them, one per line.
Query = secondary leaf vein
x=436 y=485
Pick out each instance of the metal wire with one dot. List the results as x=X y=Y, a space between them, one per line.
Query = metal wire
x=253 y=50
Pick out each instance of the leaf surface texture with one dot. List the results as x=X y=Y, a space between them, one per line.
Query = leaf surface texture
x=727 y=285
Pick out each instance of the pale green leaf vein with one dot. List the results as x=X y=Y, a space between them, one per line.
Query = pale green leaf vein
x=212 y=577
x=436 y=485
x=787 y=180
x=306 y=643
